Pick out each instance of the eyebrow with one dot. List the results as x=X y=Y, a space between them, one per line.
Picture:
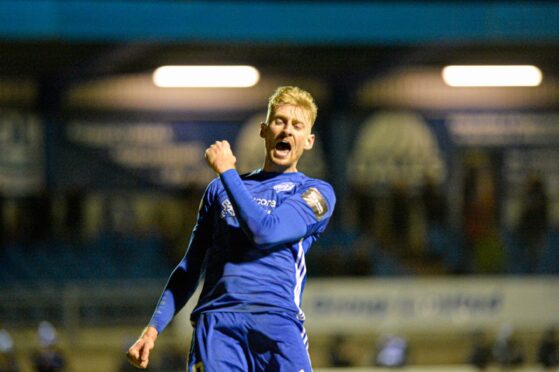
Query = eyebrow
x=285 y=118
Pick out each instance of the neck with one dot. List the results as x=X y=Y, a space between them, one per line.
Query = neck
x=270 y=166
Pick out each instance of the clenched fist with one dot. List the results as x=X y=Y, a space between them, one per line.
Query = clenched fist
x=220 y=157
x=138 y=354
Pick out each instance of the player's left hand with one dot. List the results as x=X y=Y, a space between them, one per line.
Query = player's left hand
x=220 y=157
x=138 y=354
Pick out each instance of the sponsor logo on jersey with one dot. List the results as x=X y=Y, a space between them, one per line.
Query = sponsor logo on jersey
x=227 y=209
x=265 y=202
x=285 y=186
x=315 y=200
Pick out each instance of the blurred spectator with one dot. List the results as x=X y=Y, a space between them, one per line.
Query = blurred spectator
x=38 y=213
x=400 y=217
x=480 y=355
x=441 y=244
x=392 y=351
x=531 y=230
x=548 y=349
x=49 y=357
x=73 y=219
x=8 y=361
x=483 y=250
x=507 y=351
x=434 y=203
x=362 y=250
x=361 y=260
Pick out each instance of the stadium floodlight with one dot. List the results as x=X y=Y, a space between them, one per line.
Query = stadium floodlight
x=492 y=76
x=205 y=76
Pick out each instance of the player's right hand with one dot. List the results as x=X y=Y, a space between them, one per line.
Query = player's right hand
x=219 y=157
x=138 y=354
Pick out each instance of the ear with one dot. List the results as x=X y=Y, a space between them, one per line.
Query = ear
x=263 y=129
x=309 y=142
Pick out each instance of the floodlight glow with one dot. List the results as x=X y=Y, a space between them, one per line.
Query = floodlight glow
x=492 y=76
x=205 y=76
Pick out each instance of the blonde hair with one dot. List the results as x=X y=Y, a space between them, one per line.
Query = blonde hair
x=295 y=96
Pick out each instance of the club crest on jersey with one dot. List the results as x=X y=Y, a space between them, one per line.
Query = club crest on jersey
x=315 y=200
x=227 y=209
x=285 y=186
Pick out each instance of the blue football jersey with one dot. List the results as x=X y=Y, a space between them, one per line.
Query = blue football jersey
x=250 y=240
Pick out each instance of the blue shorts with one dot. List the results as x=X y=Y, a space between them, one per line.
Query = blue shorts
x=237 y=341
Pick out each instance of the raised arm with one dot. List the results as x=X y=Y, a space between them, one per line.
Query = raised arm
x=296 y=218
x=299 y=216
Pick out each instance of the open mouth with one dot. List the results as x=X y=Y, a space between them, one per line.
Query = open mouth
x=282 y=148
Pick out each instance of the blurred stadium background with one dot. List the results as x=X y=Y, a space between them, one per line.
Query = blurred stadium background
x=444 y=251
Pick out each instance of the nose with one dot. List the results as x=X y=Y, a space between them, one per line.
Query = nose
x=287 y=128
